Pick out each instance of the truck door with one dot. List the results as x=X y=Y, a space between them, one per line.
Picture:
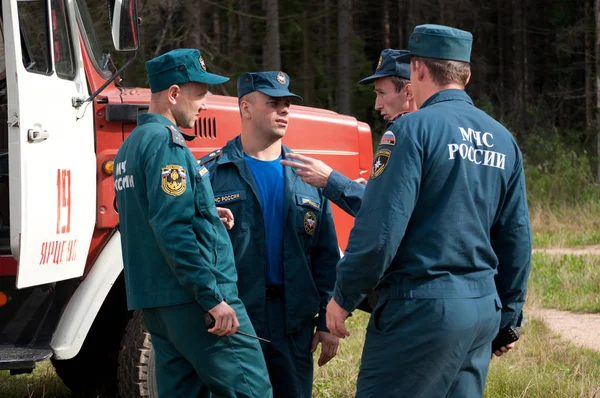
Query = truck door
x=52 y=178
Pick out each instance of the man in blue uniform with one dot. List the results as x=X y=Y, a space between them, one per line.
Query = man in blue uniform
x=177 y=256
x=284 y=239
x=444 y=230
x=394 y=98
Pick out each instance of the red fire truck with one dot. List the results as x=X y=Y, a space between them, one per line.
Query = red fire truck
x=62 y=120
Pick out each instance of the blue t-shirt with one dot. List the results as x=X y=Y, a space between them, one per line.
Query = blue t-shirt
x=268 y=176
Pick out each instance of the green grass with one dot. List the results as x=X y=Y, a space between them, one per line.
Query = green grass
x=567 y=282
x=42 y=383
x=541 y=365
x=562 y=226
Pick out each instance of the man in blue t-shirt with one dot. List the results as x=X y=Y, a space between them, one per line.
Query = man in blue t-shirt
x=283 y=237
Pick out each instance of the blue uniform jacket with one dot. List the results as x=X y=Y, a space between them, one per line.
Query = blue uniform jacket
x=175 y=247
x=445 y=211
x=310 y=247
x=346 y=193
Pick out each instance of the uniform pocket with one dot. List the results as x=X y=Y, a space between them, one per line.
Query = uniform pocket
x=376 y=317
x=308 y=209
x=234 y=200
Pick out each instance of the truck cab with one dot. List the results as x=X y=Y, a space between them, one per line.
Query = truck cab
x=63 y=117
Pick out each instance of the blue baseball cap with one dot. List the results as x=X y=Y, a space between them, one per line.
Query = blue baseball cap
x=273 y=84
x=179 y=66
x=439 y=42
x=387 y=66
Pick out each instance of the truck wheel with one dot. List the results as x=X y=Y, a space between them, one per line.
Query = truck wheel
x=93 y=372
x=88 y=376
x=136 y=361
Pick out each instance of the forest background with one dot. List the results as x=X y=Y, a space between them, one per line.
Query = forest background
x=534 y=64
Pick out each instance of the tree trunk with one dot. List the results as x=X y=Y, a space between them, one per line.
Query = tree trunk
x=272 y=50
x=329 y=56
x=525 y=52
x=597 y=15
x=402 y=42
x=344 y=31
x=386 y=24
x=587 y=26
x=517 y=54
x=501 y=78
x=308 y=59
x=245 y=29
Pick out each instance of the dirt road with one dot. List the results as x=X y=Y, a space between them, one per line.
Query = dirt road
x=581 y=329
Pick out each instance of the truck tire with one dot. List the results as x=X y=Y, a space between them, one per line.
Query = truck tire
x=136 y=374
x=88 y=376
x=93 y=371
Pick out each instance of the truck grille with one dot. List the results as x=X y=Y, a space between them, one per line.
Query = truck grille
x=206 y=127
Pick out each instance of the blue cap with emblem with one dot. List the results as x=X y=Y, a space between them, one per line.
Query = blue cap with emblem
x=179 y=66
x=387 y=66
x=273 y=84
x=439 y=42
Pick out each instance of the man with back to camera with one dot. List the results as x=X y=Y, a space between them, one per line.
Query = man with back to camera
x=394 y=98
x=284 y=238
x=452 y=250
x=177 y=257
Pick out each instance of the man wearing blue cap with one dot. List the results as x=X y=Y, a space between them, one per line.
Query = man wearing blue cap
x=284 y=238
x=453 y=243
x=394 y=99
x=177 y=257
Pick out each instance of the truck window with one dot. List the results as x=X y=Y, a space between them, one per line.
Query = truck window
x=2 y=62
x=89 y=30
x=33 y=18
x=63 y=46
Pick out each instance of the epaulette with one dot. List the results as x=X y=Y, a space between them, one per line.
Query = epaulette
x=211 y=156
x=176 y=136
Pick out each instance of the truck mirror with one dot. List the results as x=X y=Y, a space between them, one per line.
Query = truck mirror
x=124 y=24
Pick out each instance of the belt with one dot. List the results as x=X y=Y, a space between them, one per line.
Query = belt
x=274 y=291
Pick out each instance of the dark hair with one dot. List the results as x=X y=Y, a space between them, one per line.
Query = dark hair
x=445 y=71
x=399 y=83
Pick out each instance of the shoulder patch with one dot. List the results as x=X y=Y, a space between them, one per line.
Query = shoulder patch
x=388 y=138
x=382 y=157
x=176 y=136
x=202 y=171
x=173 y=179
x=211 y=156
x=307 y=201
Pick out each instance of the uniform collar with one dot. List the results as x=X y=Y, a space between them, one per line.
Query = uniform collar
x=452 y=94
x=396 y=117
x=232 y=151
x=147 y=118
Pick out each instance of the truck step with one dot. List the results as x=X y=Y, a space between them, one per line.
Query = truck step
x=14 y=357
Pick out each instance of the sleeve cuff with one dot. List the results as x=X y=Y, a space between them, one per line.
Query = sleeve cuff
x=210 y=300
x=336 y=184
x=350 y=302
x=322 y=322
x=509 y=318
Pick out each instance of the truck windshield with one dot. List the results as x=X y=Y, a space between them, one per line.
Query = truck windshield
x=88 y=30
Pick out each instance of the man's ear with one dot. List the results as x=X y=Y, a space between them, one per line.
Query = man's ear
x=173 y=93
x=409 y=94
x=245 y=110
x=468 y=79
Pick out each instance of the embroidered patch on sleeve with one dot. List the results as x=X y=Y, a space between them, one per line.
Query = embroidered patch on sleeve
x=382 y=157
x=173 y=180
x=388 y=138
